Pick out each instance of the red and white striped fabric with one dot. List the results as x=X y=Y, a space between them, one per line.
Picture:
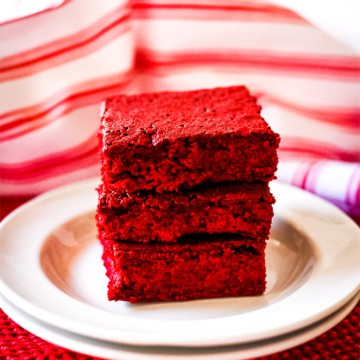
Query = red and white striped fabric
x=58 y=64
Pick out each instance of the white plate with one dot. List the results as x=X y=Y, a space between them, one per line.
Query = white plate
x=110 y=350
x=51 y=269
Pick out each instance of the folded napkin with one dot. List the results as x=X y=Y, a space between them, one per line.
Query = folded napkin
x=59 y=61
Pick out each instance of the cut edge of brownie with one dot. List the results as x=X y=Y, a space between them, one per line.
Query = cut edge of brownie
x=187 y=271
x=244 y=209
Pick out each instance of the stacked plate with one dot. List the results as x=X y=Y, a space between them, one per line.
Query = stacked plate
x=53 y=283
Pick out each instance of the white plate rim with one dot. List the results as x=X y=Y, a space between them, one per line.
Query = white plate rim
x=81 y=197
x=91 y=347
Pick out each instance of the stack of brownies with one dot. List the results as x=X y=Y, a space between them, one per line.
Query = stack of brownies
x=184 y=207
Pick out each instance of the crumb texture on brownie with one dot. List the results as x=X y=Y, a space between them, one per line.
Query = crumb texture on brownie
x=157 y=117
x=232 y=208
x=189 y=271
x=168 y=141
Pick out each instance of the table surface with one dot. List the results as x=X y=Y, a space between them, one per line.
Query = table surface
x=340 y=342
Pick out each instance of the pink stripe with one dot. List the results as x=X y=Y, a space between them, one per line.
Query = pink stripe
x=335 y=67
x=49 y=55
x=313 y=176
x=301 y=174
x=247 y=12
x=353 y=196
x=77 y=157
x=346 y=118
x=58 y=105
x=291 y=147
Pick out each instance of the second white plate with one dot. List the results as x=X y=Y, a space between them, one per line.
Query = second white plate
x=110 y=350
x=51 y=268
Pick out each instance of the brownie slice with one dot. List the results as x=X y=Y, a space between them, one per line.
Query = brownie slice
x=194 y=269
x=236 y=208
x=176 y=140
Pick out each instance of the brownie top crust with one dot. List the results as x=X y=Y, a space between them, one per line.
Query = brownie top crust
x=170 y=141
x=147 y=119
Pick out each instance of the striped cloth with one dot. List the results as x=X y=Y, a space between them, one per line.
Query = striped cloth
x=56 y=65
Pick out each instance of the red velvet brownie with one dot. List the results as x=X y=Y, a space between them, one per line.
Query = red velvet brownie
x=184 y=208
x=193 y=269
x=176 y=140
x=238 y=208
